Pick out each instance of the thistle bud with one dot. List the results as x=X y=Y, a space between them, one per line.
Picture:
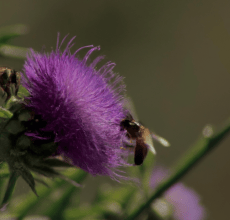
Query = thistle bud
x=9 y=82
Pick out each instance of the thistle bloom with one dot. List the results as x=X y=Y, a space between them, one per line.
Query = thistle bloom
x=179 y=201
x=81 y=106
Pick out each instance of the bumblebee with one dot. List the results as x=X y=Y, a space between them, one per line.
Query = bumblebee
x=142 y=137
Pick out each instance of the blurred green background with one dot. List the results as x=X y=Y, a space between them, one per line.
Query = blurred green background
x=174 y=56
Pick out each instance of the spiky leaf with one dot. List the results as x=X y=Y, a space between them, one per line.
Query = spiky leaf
x=28 y=177
x=4 y=113
x=25 y=203
x=9 y=189
x=56 y=163
x=9 y=32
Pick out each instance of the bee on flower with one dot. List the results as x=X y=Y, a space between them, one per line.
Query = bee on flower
x=80 y=105
x=73 y=111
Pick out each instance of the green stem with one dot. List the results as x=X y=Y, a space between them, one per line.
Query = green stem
x=195 y=154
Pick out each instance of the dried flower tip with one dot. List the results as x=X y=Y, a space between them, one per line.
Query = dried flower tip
x=9 y=81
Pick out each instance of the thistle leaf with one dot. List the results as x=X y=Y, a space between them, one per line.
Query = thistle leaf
x=4 y=113
x=22 y=92
x=56 y=163
x=13 y=51
x=9 y=190
x=4 y=174
x=29 y=202
x=7 y=37
x=14 y=127
x=3 y=97
x=49 y=172
x=28 y=177
x=57 y=207
x=45 y=171
x=9 y=32
x=42 y=182
x=74 y=183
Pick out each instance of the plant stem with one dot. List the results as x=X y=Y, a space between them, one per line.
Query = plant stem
x=201 y=148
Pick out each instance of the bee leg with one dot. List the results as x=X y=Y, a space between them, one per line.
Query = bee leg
x=129 y=142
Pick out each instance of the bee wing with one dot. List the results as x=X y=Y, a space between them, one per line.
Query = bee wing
x=160 y=139
x=129 y=105
x=149 y=140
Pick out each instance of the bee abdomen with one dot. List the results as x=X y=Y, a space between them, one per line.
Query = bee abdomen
x=140 y=152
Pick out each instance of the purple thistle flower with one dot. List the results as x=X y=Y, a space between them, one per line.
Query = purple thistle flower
x=81 y=106
x=183 y=202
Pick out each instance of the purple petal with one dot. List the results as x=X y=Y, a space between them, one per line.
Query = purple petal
x=81 y=105
x=185 y=202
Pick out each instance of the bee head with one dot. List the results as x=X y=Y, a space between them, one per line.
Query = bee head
x=132 y=128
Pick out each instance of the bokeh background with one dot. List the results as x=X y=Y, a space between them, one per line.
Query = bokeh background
x=174 y=56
